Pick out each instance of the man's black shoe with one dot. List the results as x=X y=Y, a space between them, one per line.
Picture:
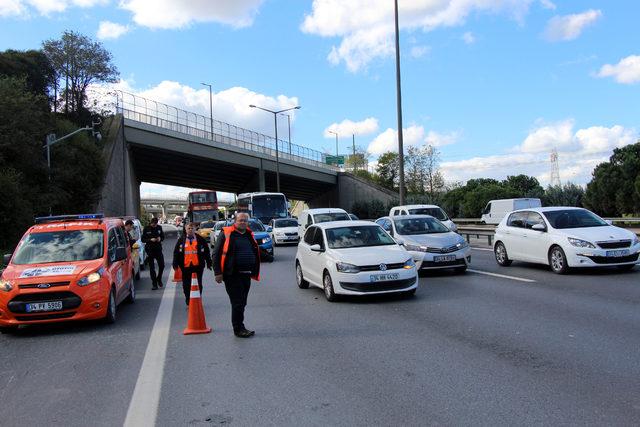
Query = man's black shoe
x=159 y=283
x=154 y=287
x=243 y=333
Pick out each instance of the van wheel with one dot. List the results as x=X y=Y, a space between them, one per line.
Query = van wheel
x=558 y=260
x=329 y=293
x=500 y=253
x=302 y=284
x=132 y=293
x=111 y=308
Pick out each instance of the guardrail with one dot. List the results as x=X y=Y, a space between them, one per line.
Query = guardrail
x=623 y=220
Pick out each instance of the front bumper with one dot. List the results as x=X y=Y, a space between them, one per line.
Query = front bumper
x=285 y=239
x=430 y=261
x=361 y=283
x=585 y=257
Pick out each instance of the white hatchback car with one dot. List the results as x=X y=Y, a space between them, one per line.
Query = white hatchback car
x=353 y=258
x=284 y=230
x=564 y=237
x=431 y=243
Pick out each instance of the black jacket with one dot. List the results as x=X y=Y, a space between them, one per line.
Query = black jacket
x=204 y=255
x=228 y=263
x=149 y=233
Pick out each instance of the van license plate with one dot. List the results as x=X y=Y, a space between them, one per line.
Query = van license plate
x=44 y=306
x=444 y=258
x=383 y=277
x=622 y=252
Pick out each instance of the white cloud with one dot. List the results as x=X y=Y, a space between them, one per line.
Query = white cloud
x=548 y=4
x=469 y=38
x=348 y=127
x=388 y=140
x=366 y=26
x=11 y=8
x=578 y=152
x=43 y=7
x=167 y=14
x=419 y=51
x=111 y=30
x=569 y=27
x=441 y=139
x=626 y=71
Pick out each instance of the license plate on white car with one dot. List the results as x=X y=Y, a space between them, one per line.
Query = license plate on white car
x=622 y=252
x=444 y=258
x=383 y=277
x=44 y=306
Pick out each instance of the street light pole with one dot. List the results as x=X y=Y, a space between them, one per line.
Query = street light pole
x=353 y=136
x=289 y=126
x=210 y=107
x=275 y=122
x=399 y=107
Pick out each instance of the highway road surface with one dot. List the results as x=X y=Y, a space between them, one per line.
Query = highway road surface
x=496 y=346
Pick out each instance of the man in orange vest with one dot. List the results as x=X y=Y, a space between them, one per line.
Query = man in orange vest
x=191 y=254
x=236 y=260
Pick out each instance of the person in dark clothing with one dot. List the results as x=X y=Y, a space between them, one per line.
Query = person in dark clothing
x=128 y=227
x=236 y=260
x=152 y=236
x=191 y=255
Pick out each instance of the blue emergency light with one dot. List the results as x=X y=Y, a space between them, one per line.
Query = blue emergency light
x=59 y=218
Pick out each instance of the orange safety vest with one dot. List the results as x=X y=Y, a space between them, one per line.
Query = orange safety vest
x=191 y=252
x=227 y=238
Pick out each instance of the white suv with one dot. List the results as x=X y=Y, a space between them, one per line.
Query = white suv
x=433 y=210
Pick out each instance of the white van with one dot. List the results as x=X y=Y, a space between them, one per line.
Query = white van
x=315 y=216
x=498 y=209
x=435 y=211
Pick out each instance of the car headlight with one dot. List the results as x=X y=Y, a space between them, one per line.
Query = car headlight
x=344 y=267
x=266 y=240
x=6 y=286
x=415 y=248
x=462 y=243
x=636 y=240
x=91 y=278
x=409 y=264
x=581 y=243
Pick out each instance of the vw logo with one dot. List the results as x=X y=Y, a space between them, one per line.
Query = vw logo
x=383 y=267
x=43 y=286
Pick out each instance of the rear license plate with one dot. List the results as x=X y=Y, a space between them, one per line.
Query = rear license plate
x=44 y=306
x=622 y=252
x=444 y=258
x=383 y=277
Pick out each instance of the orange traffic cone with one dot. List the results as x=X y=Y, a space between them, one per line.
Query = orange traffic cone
x=177 y=275
x=196 y=323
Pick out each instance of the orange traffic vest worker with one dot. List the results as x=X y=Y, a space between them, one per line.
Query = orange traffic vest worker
x=236 y=260
x=191 y=255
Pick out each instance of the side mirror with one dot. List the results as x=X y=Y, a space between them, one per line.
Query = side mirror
x=316 y=248
x=6 y=258
x=608 y=221
x=121 y=253
x=539 y=227
x=269 y=229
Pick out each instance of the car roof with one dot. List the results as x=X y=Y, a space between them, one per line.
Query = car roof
x=336 y=224
x=77 y=224
x=415 y=216
x=413 y=207
x=324 y=210
x=549 y=209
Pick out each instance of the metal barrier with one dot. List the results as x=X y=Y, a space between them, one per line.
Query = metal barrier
x=155 y=113
x=477 y=231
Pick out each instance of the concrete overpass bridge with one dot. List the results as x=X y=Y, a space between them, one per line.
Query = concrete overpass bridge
x=147 y=141
x=168 y=207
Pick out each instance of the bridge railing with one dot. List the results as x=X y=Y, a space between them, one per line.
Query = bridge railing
x=165 y=116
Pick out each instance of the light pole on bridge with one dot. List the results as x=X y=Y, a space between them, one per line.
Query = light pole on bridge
x=210 y=107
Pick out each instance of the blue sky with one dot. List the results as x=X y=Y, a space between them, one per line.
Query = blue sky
x=494 y=84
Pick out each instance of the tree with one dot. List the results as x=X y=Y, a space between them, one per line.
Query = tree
x=567 y=195
x=34 y=67
x=525 y=186
x=78 y=62
x=358 y=160
x=387 y=170
x=434 y=179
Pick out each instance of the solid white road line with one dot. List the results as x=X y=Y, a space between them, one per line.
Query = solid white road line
x=503 y=276
x=482 y=249
x=143 y=408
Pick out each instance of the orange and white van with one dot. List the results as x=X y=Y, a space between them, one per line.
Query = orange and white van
x=71 y=267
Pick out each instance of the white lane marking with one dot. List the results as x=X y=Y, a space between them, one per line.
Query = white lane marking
x=482 y=249
x=503 y=276
x=143 y=408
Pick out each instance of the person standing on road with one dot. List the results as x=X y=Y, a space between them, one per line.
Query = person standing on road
x=191 y=254
x=131 y=238
x=236 y=260
x=152 y=236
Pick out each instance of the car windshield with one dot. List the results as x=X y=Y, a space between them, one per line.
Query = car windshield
x=206 y=224
x=255 y=225
x=220 y=225
x=59 y=246
x=573 y=218
x=269 y=207
x=412 y=226
x=357 y=237
x=434 y=212
x=328 y=217
x=282 y=223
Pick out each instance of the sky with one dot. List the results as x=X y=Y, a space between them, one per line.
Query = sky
x=495 y=85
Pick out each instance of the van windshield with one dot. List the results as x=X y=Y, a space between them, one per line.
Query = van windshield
x=434 y=212
x=59 y=246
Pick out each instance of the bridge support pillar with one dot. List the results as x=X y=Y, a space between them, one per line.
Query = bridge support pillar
x=261 y=182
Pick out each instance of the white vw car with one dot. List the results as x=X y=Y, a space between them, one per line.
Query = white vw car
x=353 y=258
x=429 y=241
x=563 y=238
x=284 y=230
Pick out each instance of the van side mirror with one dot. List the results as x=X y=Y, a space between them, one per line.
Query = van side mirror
x=316 y=248
x=539 y=227
x=6 y=258
x=121 y=253
x=269 y=229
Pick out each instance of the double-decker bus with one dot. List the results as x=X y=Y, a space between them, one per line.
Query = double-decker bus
x=202 y=206
x=264 y=206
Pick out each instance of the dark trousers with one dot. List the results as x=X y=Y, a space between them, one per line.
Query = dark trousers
x=237 y=286
x=159 y=258
x=186 y=280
